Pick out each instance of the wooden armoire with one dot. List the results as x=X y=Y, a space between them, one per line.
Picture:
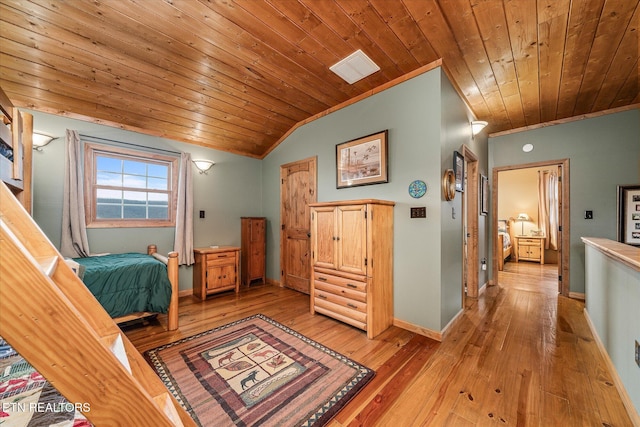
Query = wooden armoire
x=352 y=262
x=253 y=249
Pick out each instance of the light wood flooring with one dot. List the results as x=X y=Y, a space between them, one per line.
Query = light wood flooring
x=518 y=356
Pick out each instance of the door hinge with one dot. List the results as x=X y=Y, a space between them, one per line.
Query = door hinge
x=282 y=181
x=560 y=278
x=365 y=214
x=282 y=226
x=559 y=228
x=365 y=262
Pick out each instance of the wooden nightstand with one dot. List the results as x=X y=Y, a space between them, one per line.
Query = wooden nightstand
x=216 y=270
x=530 y=248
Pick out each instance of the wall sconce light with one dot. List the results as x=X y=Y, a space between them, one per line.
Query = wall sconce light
x=40 y=140
x=203 y=165
x=523 y=217
x=477 y=126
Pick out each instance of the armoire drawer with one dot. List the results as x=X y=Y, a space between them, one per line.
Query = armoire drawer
x=344 y=311
x=344 y=291
x=359 y=284
x=347 y=303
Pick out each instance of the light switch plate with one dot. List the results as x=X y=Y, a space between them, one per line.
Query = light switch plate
x=420 y=212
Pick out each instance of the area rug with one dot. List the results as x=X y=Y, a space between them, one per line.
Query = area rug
x=257 y=372
x=28 y=400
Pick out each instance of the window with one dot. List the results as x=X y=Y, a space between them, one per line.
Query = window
x=125 y=188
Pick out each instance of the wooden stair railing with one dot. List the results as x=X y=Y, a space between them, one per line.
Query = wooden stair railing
x=49 y=316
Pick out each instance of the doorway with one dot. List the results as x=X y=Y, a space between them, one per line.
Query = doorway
x=470 y=226
x=526 y=234
x=298 y=188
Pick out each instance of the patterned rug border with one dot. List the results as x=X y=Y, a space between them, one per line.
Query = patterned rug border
x=323 y=415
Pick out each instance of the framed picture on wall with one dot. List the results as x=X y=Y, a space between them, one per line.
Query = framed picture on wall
x=484 y=195
x=458 y=170
x=362 y=161
x=629 y=214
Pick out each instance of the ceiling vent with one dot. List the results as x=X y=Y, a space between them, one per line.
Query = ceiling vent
x=355 y=67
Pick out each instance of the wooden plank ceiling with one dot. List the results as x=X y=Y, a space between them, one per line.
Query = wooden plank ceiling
x=237 y=75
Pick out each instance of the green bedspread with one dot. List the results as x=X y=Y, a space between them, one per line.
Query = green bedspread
x=127 y=283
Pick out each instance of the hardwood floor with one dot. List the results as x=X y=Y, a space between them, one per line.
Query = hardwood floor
x=518 y=356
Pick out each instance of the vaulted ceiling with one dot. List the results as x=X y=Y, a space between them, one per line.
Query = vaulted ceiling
x=237 y=75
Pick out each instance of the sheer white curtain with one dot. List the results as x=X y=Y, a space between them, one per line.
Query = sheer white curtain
x=548 y=207
x=74 y=242
x=183 y=243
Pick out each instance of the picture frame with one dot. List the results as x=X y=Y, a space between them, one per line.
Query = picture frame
x=629 y=214
x=458 y=170
x=363 y=161
x=484 y=195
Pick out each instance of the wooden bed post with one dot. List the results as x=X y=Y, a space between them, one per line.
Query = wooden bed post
x=172 y=272
x=172 y=269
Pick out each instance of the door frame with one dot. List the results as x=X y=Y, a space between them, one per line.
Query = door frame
x=470 y=201
x=565 y=233
x=313 y=161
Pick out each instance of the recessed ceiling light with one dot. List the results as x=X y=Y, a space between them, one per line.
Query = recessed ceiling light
x=527 y=148
x=355 y=67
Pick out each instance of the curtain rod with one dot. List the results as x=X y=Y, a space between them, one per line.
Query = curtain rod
x=130 y=143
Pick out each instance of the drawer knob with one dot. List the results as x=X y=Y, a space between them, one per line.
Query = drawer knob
x=352 y=305
x=324 y=279
x=322 y=296
x=351 y=285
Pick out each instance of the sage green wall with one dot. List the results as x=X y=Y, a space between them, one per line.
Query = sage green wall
x=603 y=152
x=455 y=133
x=413 y=114
x=232 y=189
x=613 y=298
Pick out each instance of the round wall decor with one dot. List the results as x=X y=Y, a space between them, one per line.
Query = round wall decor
x=449 y=184
x=417 y=189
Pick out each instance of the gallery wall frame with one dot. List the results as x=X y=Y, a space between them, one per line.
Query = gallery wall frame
x=363 y=161
x=629 y=214
x=484 y=195
x=458 y=170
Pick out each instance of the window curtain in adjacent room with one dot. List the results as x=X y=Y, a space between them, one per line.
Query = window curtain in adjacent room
x=548 y=207
x=183 y=243
x=74 y=242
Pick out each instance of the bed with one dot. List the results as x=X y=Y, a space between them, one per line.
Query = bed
x=505 y=243
x=133 y=285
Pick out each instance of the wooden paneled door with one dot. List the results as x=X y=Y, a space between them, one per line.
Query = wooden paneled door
x=298 y=188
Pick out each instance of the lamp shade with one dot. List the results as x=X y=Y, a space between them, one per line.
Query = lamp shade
x=523 y=217
x=203 y=165
x=477 y=126
x=40 y=140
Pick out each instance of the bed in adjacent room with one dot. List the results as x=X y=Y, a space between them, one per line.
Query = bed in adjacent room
x=505 y=243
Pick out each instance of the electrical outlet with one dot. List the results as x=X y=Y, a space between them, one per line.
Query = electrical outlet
x=201 y=214
x=588 y=214
x=637 y=354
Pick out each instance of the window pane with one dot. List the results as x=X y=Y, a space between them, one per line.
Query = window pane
x=108 y=164
x=134 y=181
x=135 y=168
x=108 y=211
x=159 y=199
x=157 y=183
x=109 y=178
x=135 y=197
x=109 y=196
x=157 y=212
x=158 y=171
x=135 y=212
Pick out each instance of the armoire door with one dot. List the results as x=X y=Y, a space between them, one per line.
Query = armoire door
x=352 y=239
